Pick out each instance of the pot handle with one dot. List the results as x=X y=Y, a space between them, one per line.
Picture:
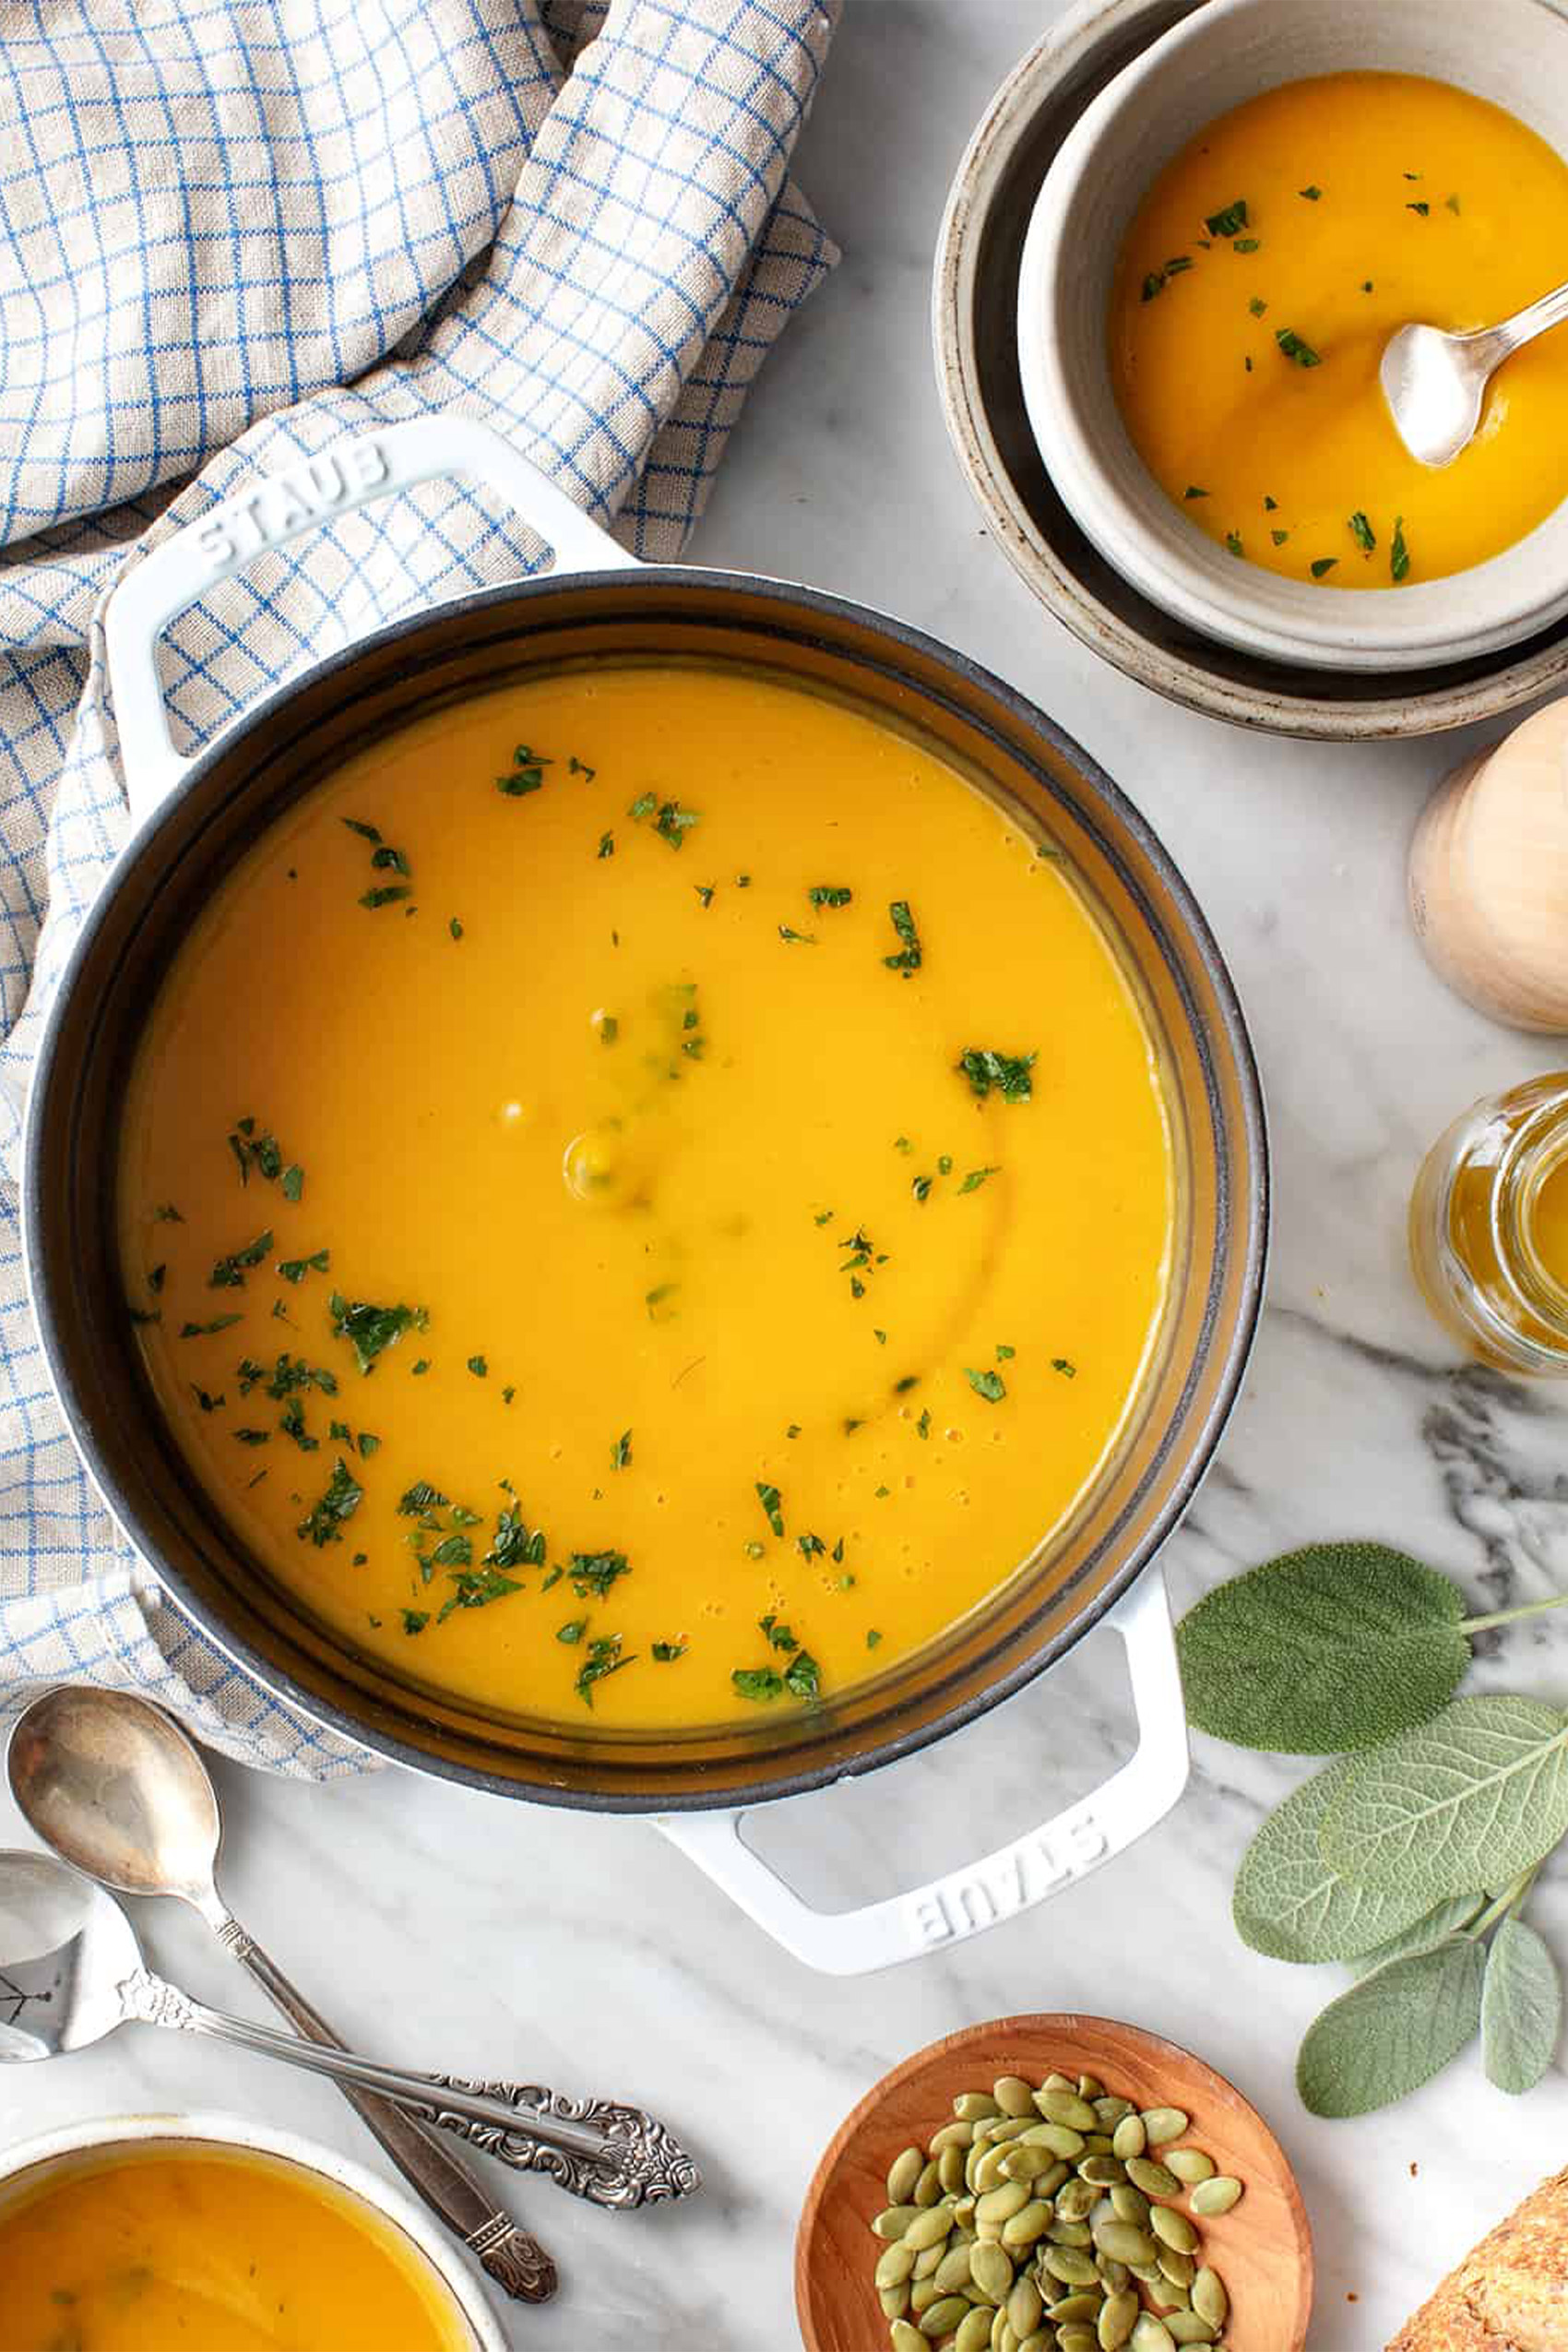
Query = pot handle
x=1016 y=1876
x=350 y=473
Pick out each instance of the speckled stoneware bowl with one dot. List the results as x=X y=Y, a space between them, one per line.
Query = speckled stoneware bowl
x=1514 y=52
x=975 y=323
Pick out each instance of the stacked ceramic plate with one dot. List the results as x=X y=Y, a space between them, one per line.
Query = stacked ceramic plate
x=1042 y=200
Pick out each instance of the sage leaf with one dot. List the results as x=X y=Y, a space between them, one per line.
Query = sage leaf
x=1430 y=1929
x=1335 y=1647
x=1394 y=2031
x=1475 y=1797
x=1290 y=1903
x=1521 y=2008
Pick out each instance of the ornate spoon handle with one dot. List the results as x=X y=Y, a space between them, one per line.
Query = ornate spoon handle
x=612 y=2154
x=517 y=2261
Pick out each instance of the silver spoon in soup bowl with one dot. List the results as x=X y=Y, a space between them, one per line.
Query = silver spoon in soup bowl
x=1435 y=383
x=114 y=1786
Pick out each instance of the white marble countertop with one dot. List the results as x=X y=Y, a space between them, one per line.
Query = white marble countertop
x=461 y=1931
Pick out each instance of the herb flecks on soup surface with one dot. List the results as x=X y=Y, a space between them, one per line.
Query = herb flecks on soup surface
x=673 y=1262
x=1261 y=278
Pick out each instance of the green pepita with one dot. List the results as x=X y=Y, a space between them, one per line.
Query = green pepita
x=894 y=2221
x=1151 y=2178
x=1071 y=2265
x=974 y=2106
x=894 y=2267
x=930 y=2227
x=1069 y=2233
x=1057 y=2083
x=1117 y=2276
x=952 y=2273
x=1112 y=2110
x=1117 y=2317
x=1150 y=2334
x=1027 y=2164
x=928 y=2188
x=943 y=2316
x=930 y=2259
x=1216 y=2196
x=1186 y=2327
x=1128 y=2138
x=1210 y=2300
x=894 y=2302
x=952 y=2135
x=1076 y=2200
x=1173 y=2227
x=1189 y=2164
x=1031 y=2221
x=1176 y=2268
x=1124 y=2241
x=907 y=2338
x=1130 y=2204
x=1025 y=2307
x=1076 y=2339
x=1069 y=2307
x=991 y=2269
x=1164 y=2123
x=974 y=2331
x=1001 y=2204
x=1014 y=2095
x=1090 y=2088
x=1066 y=2106
x=902 y=2175
x=950 y=2170
x=923 y=2295
x=1102 y=2171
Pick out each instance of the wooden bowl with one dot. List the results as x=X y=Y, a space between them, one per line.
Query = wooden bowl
x=1263 y=2249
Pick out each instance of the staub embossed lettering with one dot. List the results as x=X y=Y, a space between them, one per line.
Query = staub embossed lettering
x=972 y=1900
x=285 y=502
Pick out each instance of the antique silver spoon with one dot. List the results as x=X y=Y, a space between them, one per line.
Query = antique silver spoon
x=71 y=1971
x=1435 y=384
x=113 y=1784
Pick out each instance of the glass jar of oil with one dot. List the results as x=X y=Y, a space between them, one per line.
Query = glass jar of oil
x=1488 y=1228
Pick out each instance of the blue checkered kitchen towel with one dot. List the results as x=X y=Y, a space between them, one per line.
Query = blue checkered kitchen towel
x=232 y=232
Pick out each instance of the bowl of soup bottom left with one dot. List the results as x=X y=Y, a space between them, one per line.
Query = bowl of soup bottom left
x=430 y=2256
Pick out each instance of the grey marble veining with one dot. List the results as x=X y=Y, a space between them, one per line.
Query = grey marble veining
x=454 y=1930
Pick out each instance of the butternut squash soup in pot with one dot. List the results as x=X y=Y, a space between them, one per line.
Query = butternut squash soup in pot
x=645 y=1197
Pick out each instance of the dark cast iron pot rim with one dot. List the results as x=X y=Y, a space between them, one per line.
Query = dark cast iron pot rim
x=1200 y=1445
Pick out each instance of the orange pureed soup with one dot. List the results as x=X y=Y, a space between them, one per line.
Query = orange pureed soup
x=185 y=2247
x=646 y=1192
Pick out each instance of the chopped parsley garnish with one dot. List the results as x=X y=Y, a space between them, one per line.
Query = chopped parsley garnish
x=1422 y=208
x=167 y=1214
x=1246 y=244
x=296 y=1269
x=572 y=1632
x=575 y=766
x=909 y=957
x=373 y=1329
x=415 y=1620
x=1361 y=531
x=659 y=1301
x=1270 y=505
x=1231 y=222
x=1234 y=541
x=261 y=1152
x=607 y=845
x=1257 y=306
x=517 y=1545
x=872 y=1637
x=793 y=938
x=673 y=823
x=1451 y=202
x=988 y=1385
x=366 y=832
x=705 y=892
x=1193 y=491
x=385 y=894
x=779 y=1637
x=1293 y=347
x=595 y=1572
x=1398 y=553
x=772 y=1502
x=609 y=1029
x=1312 y=194
x=902 y=1387
x=155 y=1280
x=456 y=928
x=289 y=1376
x=1153 y=284
x=976 y=1177
x=323 y=1524
x=809 y=1545
x=1008 y=1073
x=1004 y=1353
x=254 y=1436
x=208 y=1404
x=922 y=1427
x=603 y=1657
x=474 y=1588
x=155 y=1315
x=666 y=1653
x=758 y=1683
x=479 y=1367
x=293 y=1182
x=1322 y=565
x=803 y=1676
x=199 y=1330
x=621 y=1451
x=1279 y=538
x=421 y=1497
x=527 y=773
x=828 y=894
x=1061 y=1364
x=920 y=1187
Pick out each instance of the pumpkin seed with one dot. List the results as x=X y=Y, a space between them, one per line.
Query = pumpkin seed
x=930 y=2259
x=943 y=2316
x=1102 y=2171
x=1173 y=2227
x=1189 y=2164
x=894 y=2221
x=1130 y=2204
x=1025 y=2307
x=950 y=2170
x=1117 y=2276
x=1216 y=2196
x=1076 y=2200
x=952 y=2273
x=902 y=2175
x=1186 y=2327
x=907 y=2338
x=974 y=2106
x=1001 y=2204
x=1031 y=2222
x=1164 y=2123
x=1152 y=2179
x=1117 y=2317
x=1069 y=2233
x=930 y=2227
x=1150 y=2334
x=974 y=2331
x=1150 y=2273
x=923 y=2295
x=1076 y=2339
x=1072 y=2266
x=1178 y=2269
x=928 y=2188
x=1057 y=2083
x=952 y=2135
x=1066 y=2106
x=990 y=2268
x=894 y=2302
x=1097 y=2143
x=1124 y=2241
x=1027 y=2164
x=1112 y=2110
x=1014 y=2095
x=894 y=2267
x=1042 y=2341
x=1070 y=2308
x=1090 y=2088
x=1059 y=2138
x=1210 y=2300
x=984 y=2172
